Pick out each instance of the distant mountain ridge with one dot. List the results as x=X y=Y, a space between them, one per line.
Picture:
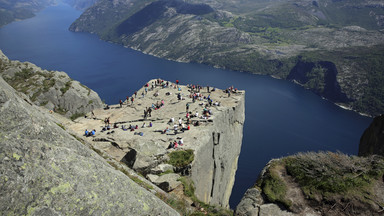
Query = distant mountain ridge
x=263 y=37
x=11 y=10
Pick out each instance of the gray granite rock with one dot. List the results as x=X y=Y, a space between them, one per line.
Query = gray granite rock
x=51 y=89
x=46 y=171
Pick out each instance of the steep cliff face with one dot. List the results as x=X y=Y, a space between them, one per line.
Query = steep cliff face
x=321 y=77
x=46 y=171
x=317 y=184
x=51 y=89
x=214 y=138
x=372 y=141
x=215 y=164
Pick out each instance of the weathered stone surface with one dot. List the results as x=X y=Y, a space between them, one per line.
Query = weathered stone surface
x=216 y=141
x=167 y=182
x=372 y=141
x=273 y=209
x=46 y=171
x=161 y=168
x=250 y=203
x=51 y=89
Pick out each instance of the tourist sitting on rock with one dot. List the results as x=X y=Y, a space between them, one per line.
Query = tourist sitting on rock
x=86 y=132
x=166 y=130
x=124 y=128
x=106 y=108
x=143 y=126
x=115 y=125
x=170 y=145
x=93 y=132
x=175 y=145
x=181 y=142
x=197 y=114
x=180 y=121
x=150 y=124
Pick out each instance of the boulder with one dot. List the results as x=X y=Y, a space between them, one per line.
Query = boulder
x=167 y=182
x=51 y=89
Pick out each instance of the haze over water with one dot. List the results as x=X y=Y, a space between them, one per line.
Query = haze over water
x=281 y=118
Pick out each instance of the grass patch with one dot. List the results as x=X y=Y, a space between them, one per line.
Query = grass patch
x=60 y=111
x=328 y=174
x=273 y=186
x=181 y=158
x=166 y=172
x=175 y=203
x=76 y=115
x=60 y=125
x=132 y=177
x=66 y=87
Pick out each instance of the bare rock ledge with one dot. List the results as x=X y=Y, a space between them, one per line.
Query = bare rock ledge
x=216 y=142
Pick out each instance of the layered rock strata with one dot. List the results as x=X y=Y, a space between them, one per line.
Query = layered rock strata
x=216 y=142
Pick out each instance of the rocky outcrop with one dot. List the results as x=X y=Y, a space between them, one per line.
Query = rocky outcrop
x=372 y=141
x=214 y=137
x=52 y=89
x=46 y=171
x=317 y=184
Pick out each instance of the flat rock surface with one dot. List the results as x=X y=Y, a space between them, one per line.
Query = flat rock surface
x=153 y=142
x=46 y=171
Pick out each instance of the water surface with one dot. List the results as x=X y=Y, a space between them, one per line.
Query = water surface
x=281 y=117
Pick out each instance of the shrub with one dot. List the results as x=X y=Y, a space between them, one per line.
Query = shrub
x=181 y=158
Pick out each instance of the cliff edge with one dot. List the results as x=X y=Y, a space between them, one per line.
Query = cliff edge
x=323 y=183
x=46 y=171
x=206 y=124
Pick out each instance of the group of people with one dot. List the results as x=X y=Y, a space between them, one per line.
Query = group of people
x=175 y=144
x=89 y=133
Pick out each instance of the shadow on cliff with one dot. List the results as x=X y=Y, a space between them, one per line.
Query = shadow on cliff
x=319 y=76
x=155 y=11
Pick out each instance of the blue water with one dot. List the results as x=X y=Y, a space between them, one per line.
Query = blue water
x=281 y=117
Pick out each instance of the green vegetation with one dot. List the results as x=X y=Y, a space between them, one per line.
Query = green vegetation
x=77 y=115
x=327 y=174
x=273 y=185
x=66 y=87
x=323 y=177
x=189 y=191
x=166 y=172
x=61 y=111
x=175 y=202
x=60 y=125
x=181 y=158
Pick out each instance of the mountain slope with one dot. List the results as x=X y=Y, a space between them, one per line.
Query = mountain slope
x=11 y=10
x=264 y=37
x=46 y=171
